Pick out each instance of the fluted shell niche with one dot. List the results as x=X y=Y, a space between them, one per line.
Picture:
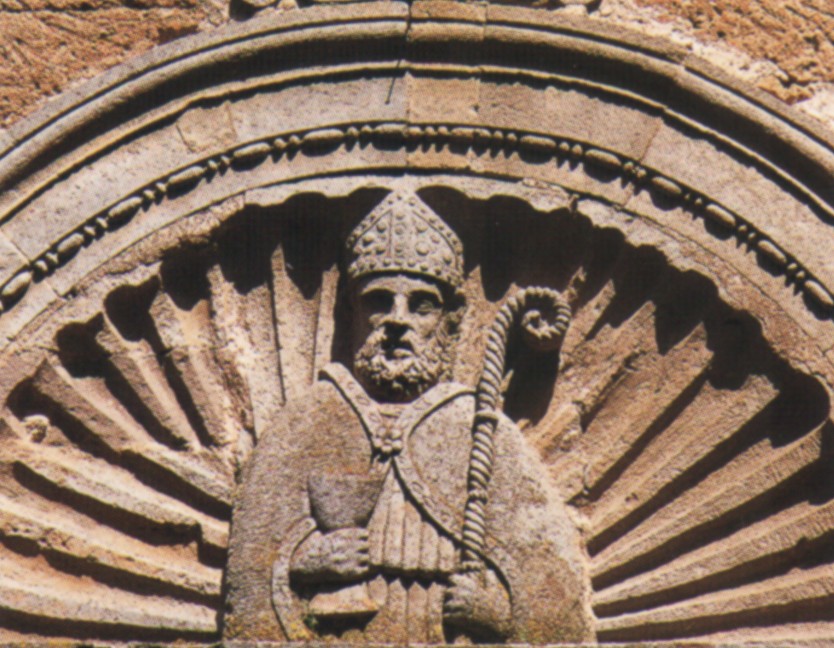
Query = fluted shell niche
x=172 y=276
x=693 y=455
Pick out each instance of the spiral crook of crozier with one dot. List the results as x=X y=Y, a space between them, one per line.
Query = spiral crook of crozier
x=543 y=317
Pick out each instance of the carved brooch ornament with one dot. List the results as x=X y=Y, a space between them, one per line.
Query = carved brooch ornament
x=473 y=323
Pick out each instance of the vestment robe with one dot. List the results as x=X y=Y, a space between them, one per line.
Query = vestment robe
x=531 y=543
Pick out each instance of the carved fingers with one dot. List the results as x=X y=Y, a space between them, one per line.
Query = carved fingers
x=459 y=599
x=338 y=556
x=349 y=549
x=477 y=604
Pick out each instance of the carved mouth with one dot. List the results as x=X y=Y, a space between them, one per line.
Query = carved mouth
x=397 y=348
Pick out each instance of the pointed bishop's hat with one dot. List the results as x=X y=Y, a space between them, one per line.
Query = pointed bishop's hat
x=402 y=234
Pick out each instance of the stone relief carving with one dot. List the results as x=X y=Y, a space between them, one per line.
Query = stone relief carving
x=126 y=440
x=187 y=343
x=719 y=221
x=370 y=481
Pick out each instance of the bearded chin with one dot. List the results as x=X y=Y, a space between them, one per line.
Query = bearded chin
x=401 y=379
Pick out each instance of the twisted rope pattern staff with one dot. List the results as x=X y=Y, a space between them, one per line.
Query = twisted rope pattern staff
x=544 y=318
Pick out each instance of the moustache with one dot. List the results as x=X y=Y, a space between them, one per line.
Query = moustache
x=394 y=345
x=399 y=365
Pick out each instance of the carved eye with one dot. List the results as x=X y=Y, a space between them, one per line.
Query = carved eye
x=424 y=303
x=377 y=301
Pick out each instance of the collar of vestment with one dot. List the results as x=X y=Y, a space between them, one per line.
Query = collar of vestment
x=388 y=439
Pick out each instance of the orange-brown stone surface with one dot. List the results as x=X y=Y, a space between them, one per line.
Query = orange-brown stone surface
x=47 y=46
x=796 y=35
x=240 y=320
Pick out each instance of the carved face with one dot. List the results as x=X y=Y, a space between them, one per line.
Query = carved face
x=401 y=336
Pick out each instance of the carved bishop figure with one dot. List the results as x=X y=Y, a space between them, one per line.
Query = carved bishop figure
x=349 y=523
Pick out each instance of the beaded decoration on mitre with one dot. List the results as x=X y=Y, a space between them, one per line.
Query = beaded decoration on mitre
x=404 y=235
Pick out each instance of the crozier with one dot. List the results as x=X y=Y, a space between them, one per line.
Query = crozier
x=381 y=323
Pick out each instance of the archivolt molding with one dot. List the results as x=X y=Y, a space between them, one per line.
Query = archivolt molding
x=171 y=381
x=163 y=302
x=508 y=44
x=665 y=191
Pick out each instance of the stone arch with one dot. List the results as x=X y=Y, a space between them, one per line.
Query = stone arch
x=152 y=251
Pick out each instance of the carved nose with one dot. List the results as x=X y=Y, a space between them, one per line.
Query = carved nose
x=395 y=328
x=396 y=320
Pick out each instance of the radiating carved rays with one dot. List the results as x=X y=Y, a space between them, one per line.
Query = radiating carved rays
x=703 y=488
x=121 y=452
x=692 y=456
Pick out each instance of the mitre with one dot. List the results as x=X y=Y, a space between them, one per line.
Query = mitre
x=403 y=234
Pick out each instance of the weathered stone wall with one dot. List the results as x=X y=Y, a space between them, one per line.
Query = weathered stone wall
x=48 y=46
x=785 y=47
x=797 y=36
